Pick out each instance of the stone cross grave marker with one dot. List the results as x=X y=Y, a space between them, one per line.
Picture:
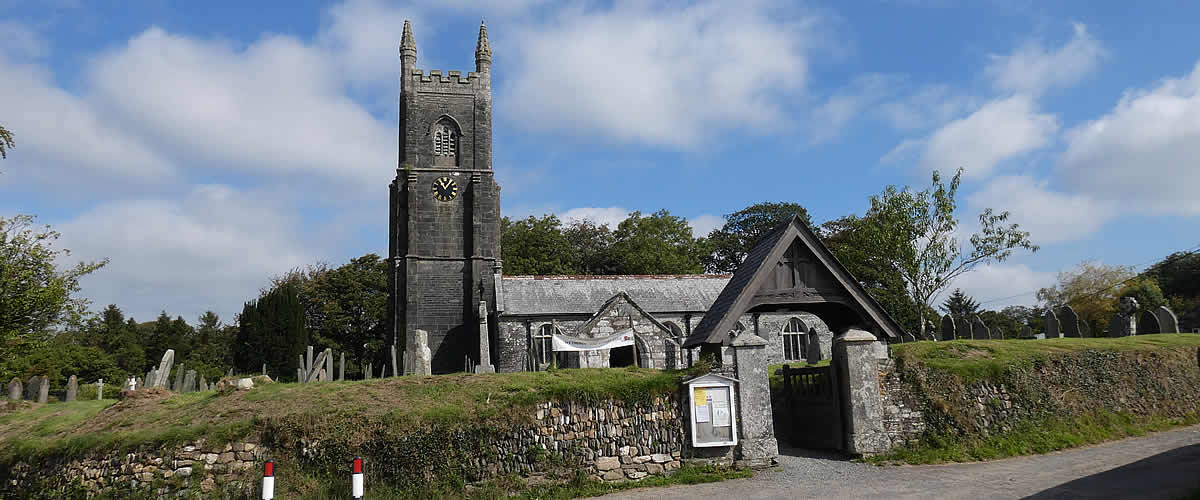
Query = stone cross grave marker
x=72 y=389
x=979 y=331
x=1052 y=331
x=947 y=330
x=15 y=391
x=1069 y=322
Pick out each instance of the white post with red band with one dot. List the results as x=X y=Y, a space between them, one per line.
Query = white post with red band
x=268 y=490
x=356 y=479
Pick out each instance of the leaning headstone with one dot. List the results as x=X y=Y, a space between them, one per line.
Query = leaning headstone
x=314 y=369
x=31 y=387
x=189 y=381
x=43 y=390
x=178 y=386
x=947 y=330
x=979 y=331
x=812 y=352
x=1167 y=323
x=72 y=389
x=162 y=378
x=15 y=390
x=342 y=368
x=1052 y=331
x=1068 y=321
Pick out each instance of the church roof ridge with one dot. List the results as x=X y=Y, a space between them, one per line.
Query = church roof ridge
x=616 y=276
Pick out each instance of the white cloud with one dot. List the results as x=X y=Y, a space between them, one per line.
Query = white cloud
x=1144 y=152
x=604 y=216
x=997 y=286
x=212 y=249
x=704 y=224
x=62 y=139
x=1049 y=216
x=365 y=36
x=929 y=106
x=1032 y=68
x=1000 y=130
x=832 y=116
x=658 y=74
x=276 y=107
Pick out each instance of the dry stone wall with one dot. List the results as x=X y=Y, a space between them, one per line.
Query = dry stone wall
x=916 y=399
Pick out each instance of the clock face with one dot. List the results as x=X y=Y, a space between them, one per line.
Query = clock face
x=445 y=189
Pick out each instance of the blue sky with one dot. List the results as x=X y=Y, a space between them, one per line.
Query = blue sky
x=204 y=147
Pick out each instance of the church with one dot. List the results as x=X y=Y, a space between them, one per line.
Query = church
x=448 y=292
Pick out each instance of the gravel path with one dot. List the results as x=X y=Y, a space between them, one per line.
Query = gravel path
x=1163 y=465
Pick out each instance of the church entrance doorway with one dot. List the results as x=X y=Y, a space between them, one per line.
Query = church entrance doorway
x=620 y=356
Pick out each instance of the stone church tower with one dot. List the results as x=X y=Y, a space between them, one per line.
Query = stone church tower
x=444 y=221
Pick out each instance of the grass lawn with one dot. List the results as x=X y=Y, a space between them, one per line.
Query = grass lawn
x=29 y=431
x=979 y=359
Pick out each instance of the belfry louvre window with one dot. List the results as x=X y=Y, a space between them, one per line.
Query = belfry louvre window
x=445 y=141
x=793 y=340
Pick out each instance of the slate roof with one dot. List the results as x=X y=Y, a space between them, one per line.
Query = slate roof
x=735 y=297
x=546 y=295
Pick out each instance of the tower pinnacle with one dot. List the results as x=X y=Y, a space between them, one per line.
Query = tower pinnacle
x=406 y=40
x=483 y=51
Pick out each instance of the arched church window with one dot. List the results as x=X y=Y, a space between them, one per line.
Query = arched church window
x=793 y=340
x=445 y=143
x=543 y=344
x=671 y=349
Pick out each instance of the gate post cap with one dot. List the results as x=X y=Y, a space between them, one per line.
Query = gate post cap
x=748 y=338
x=855 y=335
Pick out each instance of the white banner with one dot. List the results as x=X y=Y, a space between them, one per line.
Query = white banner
x=569 y=344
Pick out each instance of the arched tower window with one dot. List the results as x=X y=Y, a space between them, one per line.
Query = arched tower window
x=446 y=142
x=793 y=340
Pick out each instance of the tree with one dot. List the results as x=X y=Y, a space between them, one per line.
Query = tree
x=34 y=294
x=918 y=231
x=960 y=306
x=1178 y=275
x=347 y=307
x=848 y=239
x=6 y=142
x=742 y=230
x=659 y=243
x=1145 y=290
x=591 y=248
x=535 y=246
x=271 y=330
x=1090 y=289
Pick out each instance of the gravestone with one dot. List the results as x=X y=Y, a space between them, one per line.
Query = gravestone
x=1027 y=333
x=131 y=384
x=314 y=372
x=164 y=369
x=203 y=384
x=99 y=389
x=1124 y=322
x=264 y=369
x=1148 y=323
x=948 y=331
x=15 y=390
x=393 y=358
x=812 y=353
x=300 y=374
x=328 y=365
x=230 y=373
x=382 y=370
x=31 y=388
x=979 y=331
x=141 y=383
x=178 y=386
x=367 y=372
x=1069 y=322
x=1085 y=331
x=189 y=381
x=72 y=389
x=342 y=368
x=149 y=379
x=485 y=346
x=1052 y=331
x=308 y=364
x=417 y=357
x=43 y=390
x=1167 y=323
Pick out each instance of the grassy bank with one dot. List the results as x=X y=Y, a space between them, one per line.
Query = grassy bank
x=982 y=359
x=79 y=427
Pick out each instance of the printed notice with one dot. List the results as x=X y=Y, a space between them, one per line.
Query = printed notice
x=720 y=416
x=720 y=397
x=701 y=396
x=702 y=413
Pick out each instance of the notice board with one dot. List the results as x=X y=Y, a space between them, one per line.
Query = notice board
x=712 y=411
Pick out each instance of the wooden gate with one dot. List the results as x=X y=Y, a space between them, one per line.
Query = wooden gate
x=812 y=409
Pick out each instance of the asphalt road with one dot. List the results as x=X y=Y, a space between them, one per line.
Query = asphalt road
x=1165 y=465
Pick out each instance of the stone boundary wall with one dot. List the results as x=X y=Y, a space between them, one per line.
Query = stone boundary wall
x=916 y=399
x=612 y=441
x=195 y=467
